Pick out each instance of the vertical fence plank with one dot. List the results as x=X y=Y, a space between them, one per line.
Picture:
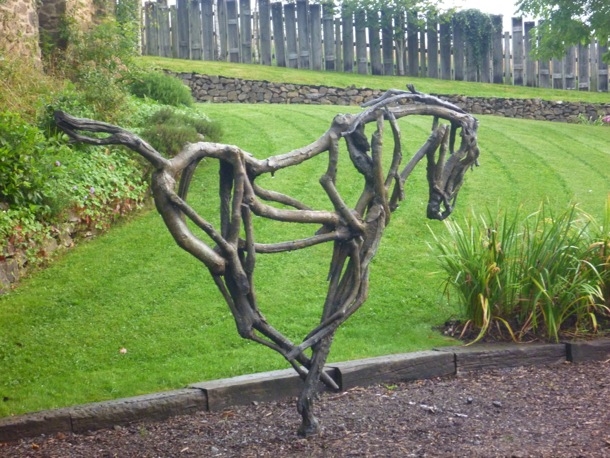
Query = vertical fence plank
x=544 y=74
x=602 y=69
x=291 y=35
x=278 y=34
x=557 y=73
x=471 y=62
x=152 y=29
x=338 y=45
x=232 y=31
x=423 y=58
x=303 y=34
x=507 y=62
x=374 y=42
x=315 y=15
x=530 y=63
x=165 y=43
x=485 y=64
x=347 y=26
x=361 y=45
x=518 y=67
x=432 y=39
x=245 y=31
x=195 y=29
x=458 y=51
x=387 y=43
x=173 y=20
x=569 y=64
x=496 y=46
x=264 y=9
x=207 y=22
x=412 y=44
x=445 y=49
x=328 y=36
x=223 y=39
x=400 y=43
x=182 y=26
x=583 y=68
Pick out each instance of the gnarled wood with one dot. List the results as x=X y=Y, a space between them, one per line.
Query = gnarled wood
x=354 y=232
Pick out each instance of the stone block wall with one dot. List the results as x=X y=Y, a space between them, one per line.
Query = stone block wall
x=19 y=28
x=23 y=21
x=220 y=89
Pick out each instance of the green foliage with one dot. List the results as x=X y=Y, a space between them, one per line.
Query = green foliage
x=477 y=27
x=546 y=274
x=564 y=23
x=163 y=88
x=99 y=63
x=26 y=164
x=168 y=131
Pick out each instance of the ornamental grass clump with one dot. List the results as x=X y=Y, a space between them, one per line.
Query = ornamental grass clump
x=546 y=275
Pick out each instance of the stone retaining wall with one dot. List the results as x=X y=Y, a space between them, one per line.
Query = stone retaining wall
x=219 y=89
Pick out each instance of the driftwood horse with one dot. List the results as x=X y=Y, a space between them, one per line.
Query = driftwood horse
x=354 y=232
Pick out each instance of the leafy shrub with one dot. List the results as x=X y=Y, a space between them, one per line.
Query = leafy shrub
x=163 y=88
x=547 y=274
x=26 y=163
x=169 y=130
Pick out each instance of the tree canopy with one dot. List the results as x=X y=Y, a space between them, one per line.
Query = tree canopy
x=564 y=23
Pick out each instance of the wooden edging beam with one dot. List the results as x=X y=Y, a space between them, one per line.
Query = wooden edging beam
x=268 y=386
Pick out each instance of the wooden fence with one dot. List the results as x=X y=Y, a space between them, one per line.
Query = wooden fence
x=312 y=36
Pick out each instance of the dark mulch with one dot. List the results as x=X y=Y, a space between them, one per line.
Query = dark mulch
x=555 y=411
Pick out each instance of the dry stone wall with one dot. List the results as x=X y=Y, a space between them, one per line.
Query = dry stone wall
x=220 y=89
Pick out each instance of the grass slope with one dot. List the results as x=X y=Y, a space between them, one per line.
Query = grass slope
x=340 y=79
x=133 y=288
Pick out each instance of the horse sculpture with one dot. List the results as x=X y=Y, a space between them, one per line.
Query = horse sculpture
x=355 y=232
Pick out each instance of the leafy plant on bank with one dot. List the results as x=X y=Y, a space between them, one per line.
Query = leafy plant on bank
x=161 y=87
x=545 y=274
x=168 y=131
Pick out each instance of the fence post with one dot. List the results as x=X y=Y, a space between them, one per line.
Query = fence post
x=569 y=68
x=530 y=64
x=422 y=51
x=412 y=44
x=445 y=48
x=278 y=34
x=232 y=31
x=245 y=26
x=432 y=38
x=496 y=45
x=458 y=51
x=173 y=19
x=374 y=42
x=223 y=40
x=583 y=68
x=195 y=29
x=602 y=69
x=347 y=23
x=329 y=38
x=303 y=34
x=207 y=15
x=291 y=35
x=544 y=74
x=315 y=15
x=471 y=63
x=264 y=14
x=182 y=29
x=164 y=30
x=507 y=67
x=152 y=29
x=361 y=48
x=338 y=48
x=387 y=44
x=557 y=73
x=517 y=51
x=399 y=42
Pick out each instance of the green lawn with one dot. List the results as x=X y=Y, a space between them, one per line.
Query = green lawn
x=133 y=288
